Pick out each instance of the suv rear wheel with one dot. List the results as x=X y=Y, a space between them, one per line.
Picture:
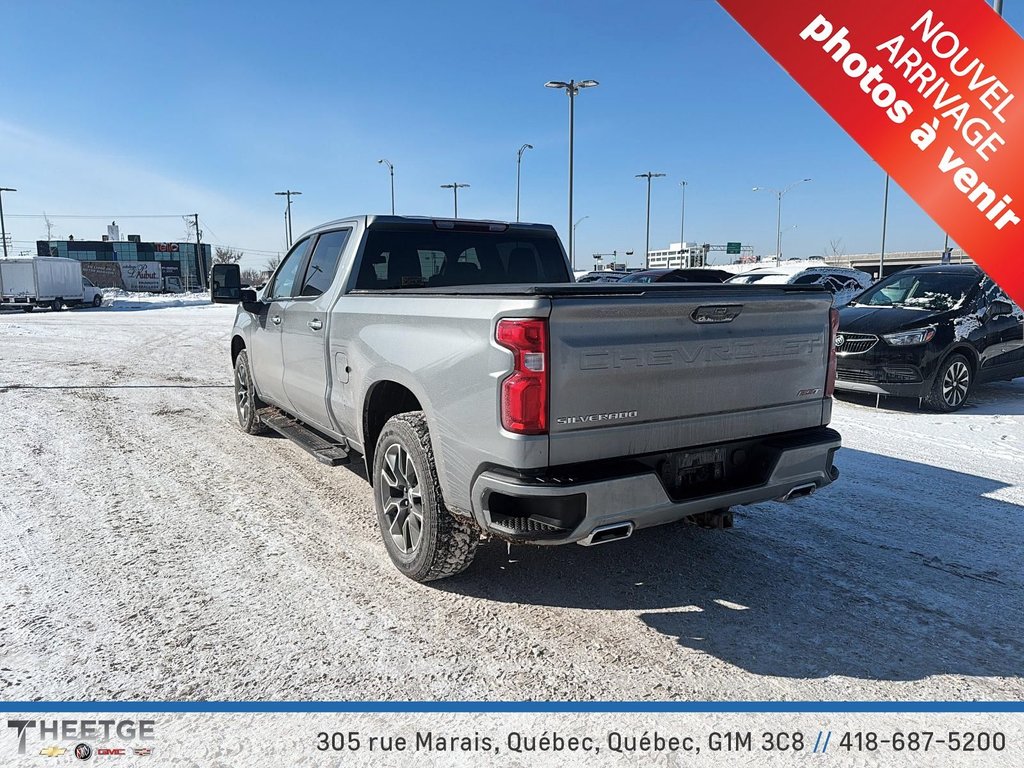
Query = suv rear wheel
x=952 y=385
x=424 y=540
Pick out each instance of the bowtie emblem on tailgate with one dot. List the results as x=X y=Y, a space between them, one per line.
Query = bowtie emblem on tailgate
x=720 y=313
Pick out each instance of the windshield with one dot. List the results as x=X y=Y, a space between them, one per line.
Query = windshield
x=639 y=277
x=932 y=291
x=759 y=277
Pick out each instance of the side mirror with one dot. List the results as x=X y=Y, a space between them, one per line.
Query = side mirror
x=225 y=284
x=999 y=308
x=250 y=301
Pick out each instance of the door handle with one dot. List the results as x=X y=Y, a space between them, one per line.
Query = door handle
x=275 y=319
x=315 y=324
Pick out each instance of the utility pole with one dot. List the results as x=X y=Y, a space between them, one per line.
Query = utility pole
x=649 y=175
x=455 y=187
x=288 y=214
x=3 y=229
x=199 y=253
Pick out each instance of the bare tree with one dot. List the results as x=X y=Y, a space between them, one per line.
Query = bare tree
x=835 y=249
x=271 y=263
x=224 y=255
x=252 y=276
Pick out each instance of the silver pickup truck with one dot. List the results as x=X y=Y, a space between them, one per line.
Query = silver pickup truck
x=490 y=394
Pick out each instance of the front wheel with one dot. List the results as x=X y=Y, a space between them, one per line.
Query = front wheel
x=424 y=540
x=97 y=300
x=247 y=402
x=952 y=385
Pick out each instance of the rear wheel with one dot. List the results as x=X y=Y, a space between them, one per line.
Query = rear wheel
x=29 y=308
x=56 y=305
x=952 y=385
x=247 y=402
x=424 y=540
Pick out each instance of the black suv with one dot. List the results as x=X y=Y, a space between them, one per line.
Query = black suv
x=931 y=333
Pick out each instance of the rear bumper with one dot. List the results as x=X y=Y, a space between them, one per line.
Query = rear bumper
x=552 y=510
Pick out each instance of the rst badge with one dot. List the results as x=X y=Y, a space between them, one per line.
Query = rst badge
x=721 y=313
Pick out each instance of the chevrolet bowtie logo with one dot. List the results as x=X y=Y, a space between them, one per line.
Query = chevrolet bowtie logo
x=52 y=751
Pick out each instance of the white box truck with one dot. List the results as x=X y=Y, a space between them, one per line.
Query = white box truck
x=44 y=281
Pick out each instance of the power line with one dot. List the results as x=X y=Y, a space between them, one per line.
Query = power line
x=107 y=216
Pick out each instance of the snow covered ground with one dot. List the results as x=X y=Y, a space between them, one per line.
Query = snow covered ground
x=151 y=550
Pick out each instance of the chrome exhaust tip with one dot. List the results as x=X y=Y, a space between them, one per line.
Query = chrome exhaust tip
x=608 y=533
x=799 y=492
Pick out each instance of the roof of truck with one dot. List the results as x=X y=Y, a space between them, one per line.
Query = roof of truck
x=384 y=220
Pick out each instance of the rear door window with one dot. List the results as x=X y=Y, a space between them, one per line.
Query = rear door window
x=324 y=262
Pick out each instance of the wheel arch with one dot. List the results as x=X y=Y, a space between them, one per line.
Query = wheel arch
x=383 y=400
x=237 y=345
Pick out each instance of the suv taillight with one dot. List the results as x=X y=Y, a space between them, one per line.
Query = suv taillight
x=524 y=393
x=830 y=377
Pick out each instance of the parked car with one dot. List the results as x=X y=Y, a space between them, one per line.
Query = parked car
x=489 y=393
x=843 y=283
x=699 y=275
x=602 y=276
x=931 y=333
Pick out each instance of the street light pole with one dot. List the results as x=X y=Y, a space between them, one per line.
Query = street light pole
x=519 y=163
x=288 y=214
x=649 y=175
x=682 y=224
x=391 y=170
x=581 y=218
x=3 y=228
x=885 y=218
x=571 y=88
x=779 y=193
x=455 y=187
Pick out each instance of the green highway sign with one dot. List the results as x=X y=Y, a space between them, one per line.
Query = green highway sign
x=732 y=248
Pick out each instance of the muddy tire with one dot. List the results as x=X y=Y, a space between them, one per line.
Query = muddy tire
x=247 y=402
x=425 y=541
x=952 y=385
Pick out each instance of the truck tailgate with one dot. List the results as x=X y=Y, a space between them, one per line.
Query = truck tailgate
x=637 y=374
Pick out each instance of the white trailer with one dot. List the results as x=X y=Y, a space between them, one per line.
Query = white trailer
x=44 y=281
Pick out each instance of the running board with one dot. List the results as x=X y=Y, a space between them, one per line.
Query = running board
x=323 y=450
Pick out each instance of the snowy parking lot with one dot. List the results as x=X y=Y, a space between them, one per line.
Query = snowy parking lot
x=151 y=550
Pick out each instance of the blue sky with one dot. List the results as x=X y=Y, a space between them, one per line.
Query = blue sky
x=118 y=109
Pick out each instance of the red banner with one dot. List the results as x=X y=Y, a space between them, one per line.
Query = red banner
x=933 y=91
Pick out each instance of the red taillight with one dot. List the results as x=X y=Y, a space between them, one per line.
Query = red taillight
x=830 y=377
x=524 y=393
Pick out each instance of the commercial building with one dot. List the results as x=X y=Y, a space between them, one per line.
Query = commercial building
x=134 y=265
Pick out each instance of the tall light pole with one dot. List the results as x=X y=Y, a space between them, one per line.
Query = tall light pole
x=391 y=170
x=519 y=163
x=455 y=187
x=3 y=229
x=572 y=88
x=997 y=5
x=288 y=214
x=580 y=219
x=649 y=175
x=885 y=218
x=682 y=224
x=779 y=193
